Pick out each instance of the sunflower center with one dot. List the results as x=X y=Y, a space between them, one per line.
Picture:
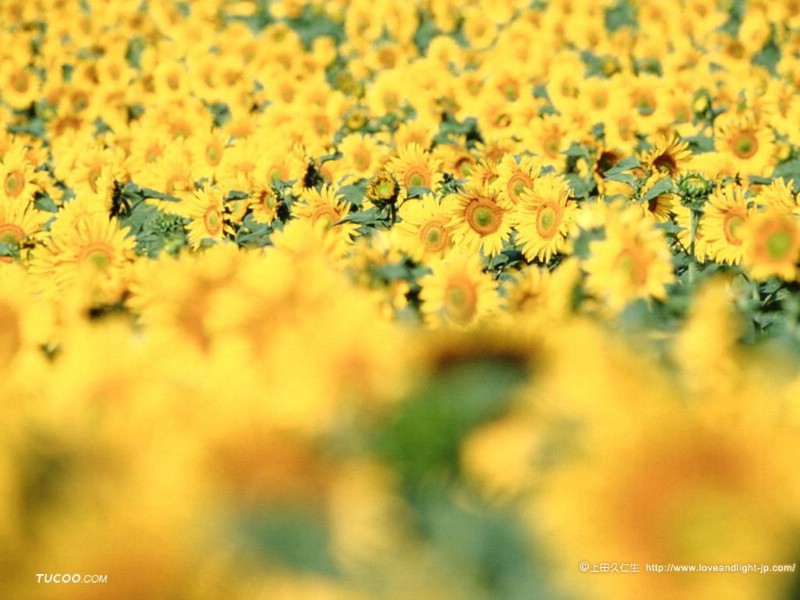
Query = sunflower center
x=633 y=267
x=518 y=185
x=779 y=244
x=14 y=182
x=666 y=164
x=19 y=81
x=93 y=178
x=266 y=198
x=731 y=225
x=548 y=218
x=551 y=146
x=325 y=215
x=745 y=145
x=361 y=159
x=213 y=155
x=433 y=236
x=415 y=177
x=600 y=100
x=212 y=220
x=460 y=301
x=11 y=233
x=464 y=166
x=97 y=254
x=484 y=216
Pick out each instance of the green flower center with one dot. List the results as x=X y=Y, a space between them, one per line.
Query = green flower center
x=433 y=236
x=746 y=145
x=779 y=244
x=416 y=180
x=212 y=220
x=484 y=216
x=98 y=254
x=460 y=302
x=732 y=225
x=12 y=183
x=547 y=221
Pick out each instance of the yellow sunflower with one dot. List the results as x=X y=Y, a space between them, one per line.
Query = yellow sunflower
x=544 y=217
x=726 y=211
x=478 y=220
x=669 y=156
x=771 y=241
x=528 y=291
x=264 y=202
x=661 y=207
x=361 y=155
x=91 y=247
x=324 y=208
x=206 y=210
x=747 y=143
x=633 y=261
x=20 y=223
x=458 y=293
x=424 y=229
x=17 y=176
x=415 y=167
x=778 y=195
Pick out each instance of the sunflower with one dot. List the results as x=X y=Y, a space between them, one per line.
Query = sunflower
x=458 y=293
x=382 y=189
x=778 y=195
x=324 y=208
x=771 y=241
x=361 y=155
x=415 y=167
x=549 y=137
x=528 y=291
x=514 y=176
x=208 y=149
x=206 y=210
x=633 y=261
x=95 y=172
x=478 y=221
x=424 y=229
x=726 y=212
x=661 y=207
x=20 y=224
x=544 y=217
x=241 y=165
x=90 y=247
x=17 y=176
x=264 y=202
x=669 y=156
x=20 y=84
x=747 y=143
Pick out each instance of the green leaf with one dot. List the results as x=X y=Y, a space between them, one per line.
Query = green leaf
x=662 y=186
x=626 y=164
x=370 y=216
x=354 y=193
x=45 y=203
x=423 y=438
x=700 y=143
x=581 y=188
x=622 y=14
x=148 y=193
x=233 y=195
x=788 y=170
x=296 y=536
x=418 y=191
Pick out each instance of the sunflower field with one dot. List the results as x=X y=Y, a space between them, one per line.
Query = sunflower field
x=392 y=299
